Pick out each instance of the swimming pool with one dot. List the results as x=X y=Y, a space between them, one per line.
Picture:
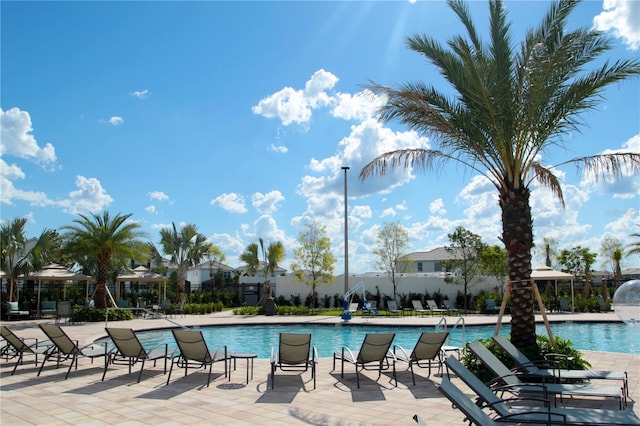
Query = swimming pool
x=259 y=339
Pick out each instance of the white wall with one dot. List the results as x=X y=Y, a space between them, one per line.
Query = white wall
x=414 y=283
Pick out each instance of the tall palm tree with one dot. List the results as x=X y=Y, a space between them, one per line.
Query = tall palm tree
x=187 y=247
x=103 y=237
x=511 y=106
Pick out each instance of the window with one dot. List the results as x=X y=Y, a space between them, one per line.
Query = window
x=437 y=267
x=419 y=266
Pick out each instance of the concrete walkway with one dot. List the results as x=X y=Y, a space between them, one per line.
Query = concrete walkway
x=83 y=399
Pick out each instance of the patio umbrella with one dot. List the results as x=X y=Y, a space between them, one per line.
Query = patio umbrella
x=143 y=275
x=542 y=273
x=55 y=272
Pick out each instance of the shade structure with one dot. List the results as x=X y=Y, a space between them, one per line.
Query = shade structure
x=546 y=273
x=141 y=274
x=55 y=272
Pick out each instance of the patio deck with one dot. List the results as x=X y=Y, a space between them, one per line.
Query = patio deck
x=83 y=399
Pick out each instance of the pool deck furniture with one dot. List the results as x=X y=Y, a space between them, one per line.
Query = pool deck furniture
x=129 y=351
x=374 y=354
x=48 y=308
x=65 y=349
x=184 y=403
x=556 y=371
x=17 y=347
x=502 y=408
x=12 y=310
x=248 y=357
x=419 y=309
x=294 y=353
x=193 y=352
x=508 y=379
x=426 y=352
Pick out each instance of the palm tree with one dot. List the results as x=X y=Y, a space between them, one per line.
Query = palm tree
x=187 y=247
x=251 y=259
x=511 y=106
x=102 y=238
x=634 y=246
x=13 y=242
x=271 y=256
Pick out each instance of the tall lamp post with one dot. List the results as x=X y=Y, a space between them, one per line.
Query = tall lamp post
x=346 y=234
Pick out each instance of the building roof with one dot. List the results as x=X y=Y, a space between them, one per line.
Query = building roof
x=435 y=255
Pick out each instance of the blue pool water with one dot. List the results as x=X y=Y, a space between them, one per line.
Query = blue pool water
x=259 y=339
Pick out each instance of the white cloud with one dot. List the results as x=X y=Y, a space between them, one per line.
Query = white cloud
x=90 y=197
x=17 y=139
x=295 y=106
x=437 y=207
x=361 y=106
x=158 y=195
x=232 y=202
x=280 y=149
x=623 y=18
x=267 y=203
x=140 y=94
x=116 y=121
x=150 y=209
x=9 y=193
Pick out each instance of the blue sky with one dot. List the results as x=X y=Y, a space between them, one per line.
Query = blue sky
x=238 y=116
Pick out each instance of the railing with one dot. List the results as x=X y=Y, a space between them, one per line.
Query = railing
x=442 y=324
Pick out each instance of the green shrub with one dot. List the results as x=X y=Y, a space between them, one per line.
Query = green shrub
x=575 y=360
x=82 y=314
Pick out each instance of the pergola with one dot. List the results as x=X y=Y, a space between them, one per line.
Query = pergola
x=142 y=274
x=545 y=273
x=55 y=272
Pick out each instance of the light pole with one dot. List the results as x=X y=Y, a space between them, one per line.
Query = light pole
x=346 y=234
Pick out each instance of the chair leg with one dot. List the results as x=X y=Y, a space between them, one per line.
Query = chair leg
x=140 y=373
x=73 y=360
x=413 y=378
x=18 y=362
x=209 y=376
x=357 y=376
x=273 y=374
x=170 y=370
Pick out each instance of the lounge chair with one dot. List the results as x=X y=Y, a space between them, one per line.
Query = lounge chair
x=65 y=348
x=478 y=417
x=17 y=347
x=194 y=353
x=370 y=307
x=166 y=307
x=427 y=351
x=563 y=305
x=353 y=308
x=63 y=311
x=373 y=355
x=294 y=354
x=572 y=416
x=417 y=306
x=434 y=309
x=491 y=307
x=12 y=309
x=560 y=374
x=129 y=351
x=48 y=308
x=123 y=303
x=512 y=380
x=392 y=308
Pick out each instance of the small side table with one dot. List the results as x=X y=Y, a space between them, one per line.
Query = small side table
x=233 y=356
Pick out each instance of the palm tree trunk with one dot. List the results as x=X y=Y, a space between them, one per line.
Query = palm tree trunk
x=517 y=236
x=100 y=293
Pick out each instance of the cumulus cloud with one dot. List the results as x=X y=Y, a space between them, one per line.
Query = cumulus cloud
x=622 y=17
x=140 y=94
x=89 y=197
x=18 y=140
x=116 y=121
x=361 y=106
x=158 y=195
x=267 y=203
x=280 y=149
x=150 y=209
x=232 y=202
x=295 y=106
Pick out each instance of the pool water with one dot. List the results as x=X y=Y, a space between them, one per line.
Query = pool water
x=259 y=339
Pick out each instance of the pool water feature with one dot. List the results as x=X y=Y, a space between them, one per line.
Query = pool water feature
x=259 y=339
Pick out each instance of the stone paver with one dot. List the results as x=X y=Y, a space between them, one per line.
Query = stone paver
x=83 y=399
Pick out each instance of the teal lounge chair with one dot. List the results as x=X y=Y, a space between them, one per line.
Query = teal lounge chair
x=426 y=352
x=294 y=354
x=373 y=355
x=392 y=308
x=572 y=416
x=512 y=380
x=561 y=374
